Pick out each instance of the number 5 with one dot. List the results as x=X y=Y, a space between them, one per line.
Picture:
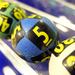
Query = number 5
x=42 y=33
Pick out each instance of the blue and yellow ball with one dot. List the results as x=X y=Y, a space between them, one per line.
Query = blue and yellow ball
x=33 y=39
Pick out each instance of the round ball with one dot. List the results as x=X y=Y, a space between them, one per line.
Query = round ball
x=10 y=14
x=64 y=62
x=33 y=39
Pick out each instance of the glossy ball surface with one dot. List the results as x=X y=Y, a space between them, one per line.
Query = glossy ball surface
x=33 y=39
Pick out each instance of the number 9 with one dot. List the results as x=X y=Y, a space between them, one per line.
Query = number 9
x=19 y=14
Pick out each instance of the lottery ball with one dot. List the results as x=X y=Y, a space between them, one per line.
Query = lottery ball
x=64 y=62
x=32 y=39
x=10 y=14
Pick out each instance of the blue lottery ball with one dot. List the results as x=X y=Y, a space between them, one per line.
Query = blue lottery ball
x=34 y=39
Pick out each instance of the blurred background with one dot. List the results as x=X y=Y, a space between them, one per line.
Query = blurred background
x=54 y=7
x=64 y=11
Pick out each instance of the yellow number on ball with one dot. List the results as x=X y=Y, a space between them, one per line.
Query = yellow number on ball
x=69 y=41
x=70 y=61
x=19 y=14
x=4 y=5
x=3 y=23
x=42 y=33
x=59 y=48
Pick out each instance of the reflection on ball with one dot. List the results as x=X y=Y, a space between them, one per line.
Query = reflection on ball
x=64 y=63
x=10 y=14
x=33 y=39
